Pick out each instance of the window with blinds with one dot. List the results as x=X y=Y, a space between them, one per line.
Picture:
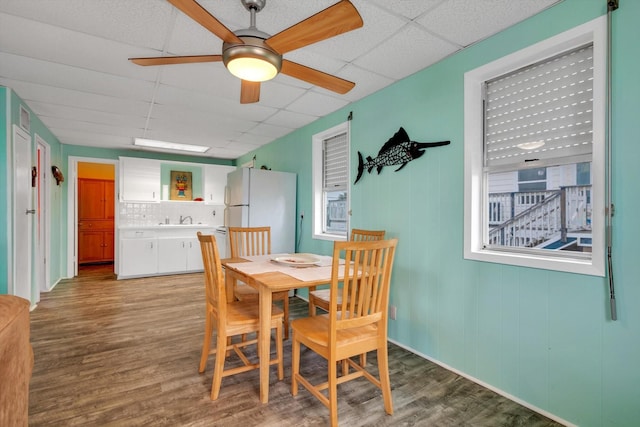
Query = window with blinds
x=330 y=150
x=534 y=148
x=335 y=163
x=541 y=114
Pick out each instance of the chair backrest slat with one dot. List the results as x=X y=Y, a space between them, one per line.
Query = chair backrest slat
x=249 y=241
x=360 y=235
x=365 y=279
x=215 y=289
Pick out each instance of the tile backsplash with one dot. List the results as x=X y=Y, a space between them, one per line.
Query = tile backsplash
x=145 y=214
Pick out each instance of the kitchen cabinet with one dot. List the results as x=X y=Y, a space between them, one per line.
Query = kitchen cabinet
x=96 y=199
x=138 y=255
x=95 y=220
x=215 y=181
x=160 y=249
x=179 y=255
x=139 y=180
x=95 y=244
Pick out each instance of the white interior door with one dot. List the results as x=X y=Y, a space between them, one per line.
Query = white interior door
x=22 y=214
x=43 y=163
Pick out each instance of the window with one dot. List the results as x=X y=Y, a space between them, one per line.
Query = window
x=331 y=183
x=535 y=155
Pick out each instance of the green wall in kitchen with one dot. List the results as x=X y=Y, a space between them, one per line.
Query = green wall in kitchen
x=540 y=336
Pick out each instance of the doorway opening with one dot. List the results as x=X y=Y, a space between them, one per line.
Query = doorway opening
x=96 y=215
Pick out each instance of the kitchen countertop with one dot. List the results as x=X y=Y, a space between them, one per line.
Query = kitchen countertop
x=165 y=226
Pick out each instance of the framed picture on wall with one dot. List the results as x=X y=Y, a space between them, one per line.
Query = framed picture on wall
x=25 y=119
x=181 y=188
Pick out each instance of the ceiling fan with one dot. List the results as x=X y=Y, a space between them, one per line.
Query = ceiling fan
x=255 y=56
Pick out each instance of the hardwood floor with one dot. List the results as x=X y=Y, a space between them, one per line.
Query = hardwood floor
x=126 y=353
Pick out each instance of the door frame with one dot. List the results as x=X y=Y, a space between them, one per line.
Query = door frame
x=13 y=216
x=72 y=211
x=43 y=223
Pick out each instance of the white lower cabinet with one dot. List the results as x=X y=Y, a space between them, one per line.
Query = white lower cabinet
x=138 y=257
x=155 y=250
x=179 y=255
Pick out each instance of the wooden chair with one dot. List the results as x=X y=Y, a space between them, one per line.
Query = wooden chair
x=352 y=328
x=230 y=319
x=248 y=241
x=320 y=298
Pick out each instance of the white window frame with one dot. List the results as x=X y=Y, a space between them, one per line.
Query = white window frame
x=475 y=183
x=317 y=176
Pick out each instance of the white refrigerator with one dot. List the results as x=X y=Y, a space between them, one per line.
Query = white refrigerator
x=258 y=198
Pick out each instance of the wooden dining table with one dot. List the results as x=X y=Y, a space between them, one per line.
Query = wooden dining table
x=268 y=276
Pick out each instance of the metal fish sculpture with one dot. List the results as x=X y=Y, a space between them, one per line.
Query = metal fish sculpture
x=398 y=150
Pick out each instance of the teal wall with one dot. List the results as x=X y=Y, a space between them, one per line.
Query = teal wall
x=9 y=115
x=541 y=336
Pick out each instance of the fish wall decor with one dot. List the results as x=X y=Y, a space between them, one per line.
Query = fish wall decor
x=398 y=150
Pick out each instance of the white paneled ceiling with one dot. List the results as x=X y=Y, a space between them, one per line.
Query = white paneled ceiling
x=68 y=60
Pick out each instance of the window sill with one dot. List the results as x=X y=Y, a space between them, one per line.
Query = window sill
x=333 y=237
x=586 y=266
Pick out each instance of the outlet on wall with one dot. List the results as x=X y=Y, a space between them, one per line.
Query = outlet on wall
x=393 y=311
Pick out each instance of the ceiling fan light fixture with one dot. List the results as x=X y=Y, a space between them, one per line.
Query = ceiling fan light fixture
x=253 y=60
x=252 y=69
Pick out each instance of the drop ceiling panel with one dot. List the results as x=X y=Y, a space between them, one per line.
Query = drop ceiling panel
x=138 y=23
x=367 y=82
x=64 y=76
x=465 y=22
x=316 y=104
x=54 y=111
x=406 y=48
x=409 y=9
x=378 y=27
x=290 y=119
x=89 y=128
x=220 y=108
x=208 y=78
x=68 y=59
x=31 y=92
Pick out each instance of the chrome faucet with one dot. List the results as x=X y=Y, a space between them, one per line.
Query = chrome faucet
x=182 y=220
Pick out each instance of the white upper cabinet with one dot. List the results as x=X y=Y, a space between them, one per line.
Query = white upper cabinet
x=139 y=179
x=215 y=180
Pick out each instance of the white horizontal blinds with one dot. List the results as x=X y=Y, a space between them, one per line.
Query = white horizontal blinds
x=335 y=163
x=542 y=114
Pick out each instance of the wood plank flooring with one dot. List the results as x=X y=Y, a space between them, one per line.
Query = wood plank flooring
x=126 y=353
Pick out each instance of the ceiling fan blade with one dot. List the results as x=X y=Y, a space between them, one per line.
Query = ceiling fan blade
x=168 y=60
x=249 y=92
x=334 y=20
x=199 y=14
x=316 y=77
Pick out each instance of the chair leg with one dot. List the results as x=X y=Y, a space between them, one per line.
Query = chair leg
x=333 y=392
x=385 y=384
x=221 y=347
x=279 y=352
x=285 y=309
x=312 y=306
x=206 y=343
x=295 y=364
